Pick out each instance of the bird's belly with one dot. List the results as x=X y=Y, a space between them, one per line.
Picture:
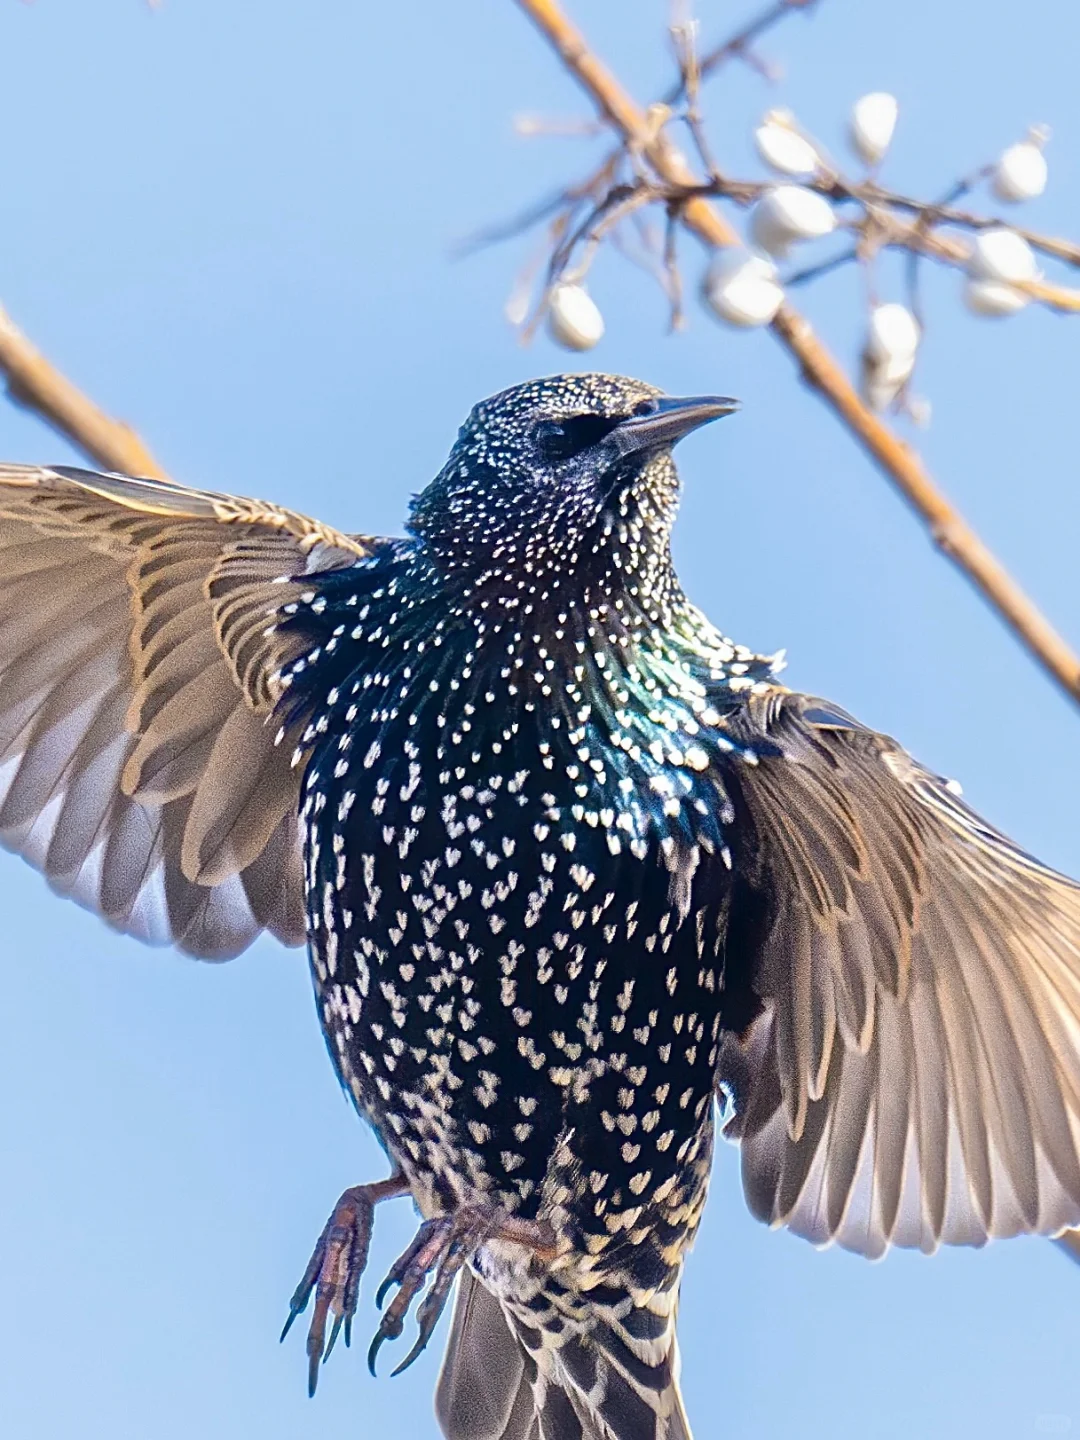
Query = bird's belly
x=526 y=1023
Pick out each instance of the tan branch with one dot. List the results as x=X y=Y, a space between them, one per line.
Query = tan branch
x=32 y=381
x=881 y=223
x=818 y=367
x=1068 y=251
x=622 y=112
x=957 y=253
x=1056 y=297
x=953 y=536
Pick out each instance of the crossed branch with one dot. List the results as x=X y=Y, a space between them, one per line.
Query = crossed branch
x=660 y=173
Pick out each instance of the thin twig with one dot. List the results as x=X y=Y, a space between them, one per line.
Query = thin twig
x=618 y=204
x=931 y=243
x=738 y=46
x=622 y=112
x=32 y=381
x=684 y=41
x=672 y=273
x=595 y=183
x=823 y=267
x=1065 y=250
x=879 y=223
x=817 y=366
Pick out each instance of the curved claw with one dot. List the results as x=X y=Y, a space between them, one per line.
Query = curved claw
x=335 y=1331
x=393 y=1322
x=374 y=1348
x=333 y=1273
x=302 y=1293
x=314 y=1352
x=434 y=1302
x=419 y=1346
x=381 y=1293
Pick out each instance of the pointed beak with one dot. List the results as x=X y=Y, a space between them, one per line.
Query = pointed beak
x=669 y=419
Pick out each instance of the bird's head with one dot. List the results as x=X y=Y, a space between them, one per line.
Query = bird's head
x=566 y=476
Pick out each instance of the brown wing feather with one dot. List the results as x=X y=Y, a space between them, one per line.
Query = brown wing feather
x=137 y=675
x=912 y=1075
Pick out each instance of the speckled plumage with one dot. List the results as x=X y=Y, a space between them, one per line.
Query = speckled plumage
x=573 y=864
x=517 y=867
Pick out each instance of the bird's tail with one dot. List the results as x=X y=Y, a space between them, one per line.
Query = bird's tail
x=503 y=1380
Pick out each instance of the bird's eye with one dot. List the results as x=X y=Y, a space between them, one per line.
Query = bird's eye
x=645 y=407
x=562 y=439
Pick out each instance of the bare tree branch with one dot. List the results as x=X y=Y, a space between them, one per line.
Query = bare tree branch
x=738 y=46
x=948 y=529
x=640 y=132
x=32 y=381
x=1065 y=250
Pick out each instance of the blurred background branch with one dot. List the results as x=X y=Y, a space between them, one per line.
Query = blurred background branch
x=36 y=384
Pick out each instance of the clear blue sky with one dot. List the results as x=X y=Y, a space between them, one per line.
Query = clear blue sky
x=230 y=222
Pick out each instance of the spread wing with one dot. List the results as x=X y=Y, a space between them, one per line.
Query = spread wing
x=138 y=671
x=908 y=1064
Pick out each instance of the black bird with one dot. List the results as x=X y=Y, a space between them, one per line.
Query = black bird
x=572 y=867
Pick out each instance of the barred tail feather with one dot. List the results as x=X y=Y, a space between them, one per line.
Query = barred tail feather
x=503 y=1380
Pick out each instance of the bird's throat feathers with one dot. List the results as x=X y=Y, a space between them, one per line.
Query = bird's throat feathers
x=622 y=689
x=525 y=543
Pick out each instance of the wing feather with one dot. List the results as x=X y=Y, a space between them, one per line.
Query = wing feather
x=138 y=674
x=912 y=1072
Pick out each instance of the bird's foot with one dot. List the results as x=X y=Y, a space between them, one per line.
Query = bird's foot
x=443 y=1245
x=335 y=1268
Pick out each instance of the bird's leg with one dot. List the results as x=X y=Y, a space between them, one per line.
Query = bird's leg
x=443 y=1245
x=335 y=1268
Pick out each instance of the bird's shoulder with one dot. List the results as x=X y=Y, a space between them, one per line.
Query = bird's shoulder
x=141 y=657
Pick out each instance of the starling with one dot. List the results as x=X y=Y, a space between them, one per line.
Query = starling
x=579 y=879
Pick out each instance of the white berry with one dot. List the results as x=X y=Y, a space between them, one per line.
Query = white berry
x=574 y=320
x=789 y=213
x=892 y=340
x=884 y=379
x=1002 y=254
x=782 y=147
x=1020 y=173
x=893 y=334
x=873 y=120
x=991 y=297
x=743 y=289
